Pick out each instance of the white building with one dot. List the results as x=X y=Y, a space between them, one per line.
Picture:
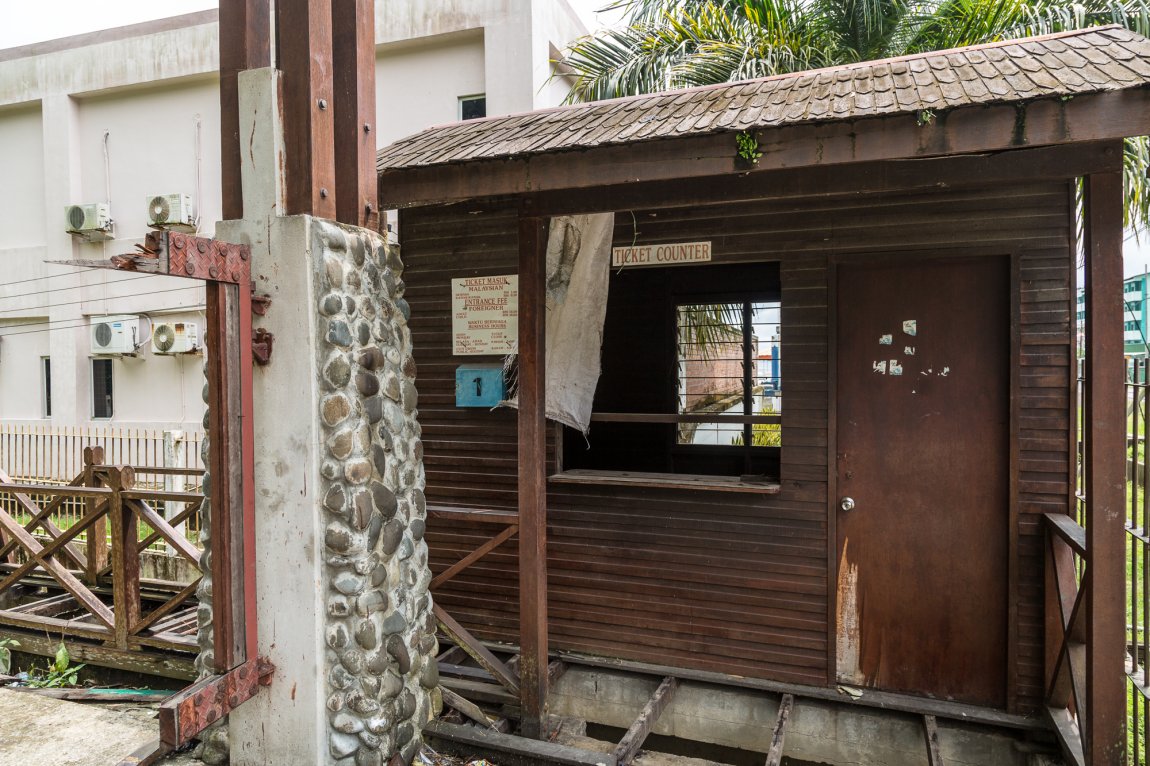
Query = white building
x=121 y=115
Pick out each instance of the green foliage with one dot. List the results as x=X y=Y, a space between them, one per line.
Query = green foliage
x=763 y=434
x=925 y=117
x=748 y=147
x=670 y=44
x=60 y=673
x=6 y=645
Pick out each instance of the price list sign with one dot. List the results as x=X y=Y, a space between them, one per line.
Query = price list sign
x=484 y=315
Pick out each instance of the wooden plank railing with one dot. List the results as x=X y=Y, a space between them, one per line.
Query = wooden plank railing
x=105 y=597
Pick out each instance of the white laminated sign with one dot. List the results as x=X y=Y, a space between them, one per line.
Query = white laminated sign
x=484 y=315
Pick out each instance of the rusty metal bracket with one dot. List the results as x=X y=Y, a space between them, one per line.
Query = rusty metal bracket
x=262 y=346
x=260 y=303
x=182 y=255
x=187 y=713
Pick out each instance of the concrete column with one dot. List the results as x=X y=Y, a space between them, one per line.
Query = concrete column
x=69 y=350
x=343 y=606
x=507 y=60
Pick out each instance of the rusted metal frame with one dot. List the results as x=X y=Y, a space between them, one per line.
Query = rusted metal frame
x=480 y=653
x=188 y=712
x=532 y=475
x=474 y=556
x=58 y=572
x=97 y=541
x=304 y=55
x=125 y=558
x=930 y=733
x=779 y=732
x=632 y=741
x=167 y=607
x=245 y=43
x=1105 y=427
x=353 y=86
x=980 y=129
x=832 y=470
x=40 y=516
x=1013 y=480
x=38 y=558
x=161 y=526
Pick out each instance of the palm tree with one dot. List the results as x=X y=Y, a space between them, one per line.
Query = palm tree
x=670 y=44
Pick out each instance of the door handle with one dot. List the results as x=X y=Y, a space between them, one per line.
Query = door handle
x=847 y=504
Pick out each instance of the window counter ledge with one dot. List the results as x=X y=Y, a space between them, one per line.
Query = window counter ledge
x=667 y=481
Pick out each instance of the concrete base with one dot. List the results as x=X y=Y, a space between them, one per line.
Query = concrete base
x=818 y=732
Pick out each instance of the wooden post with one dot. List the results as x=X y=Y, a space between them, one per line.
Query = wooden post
x=353 y=38
x=532 y=475
x=98 y=532
x=125 y=557
x=245 y=43
x=304 y=54
x=226 y=466
x=1105 y=430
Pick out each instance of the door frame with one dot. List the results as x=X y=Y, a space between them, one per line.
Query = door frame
x=1014 y=361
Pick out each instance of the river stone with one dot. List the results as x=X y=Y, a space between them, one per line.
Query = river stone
x=330 y=304
x=334 y=499
x=337 y=371
x=346 y=723
x=371 y=358
x=366 y=635
x=394 y=623
x=339 y=679
x=363 y=333
x=378 y=724
x=392 y=685
x=347 y=583
x=363 y=510
x=341 y=444
x=377 y=664
x=410 y=397
x=338 y=333
x=367 y=384
x=337 y=638
x=337 y=537
x=418 y=527
x=357 y=471
x=335 y=409
x=379 y=575
x=343 y=745
x=349 y=306
x=373 y=409
x=354 y=661
x=429 y=676
x=338 y=606
x=334 y=269
x=384 y=498
x=392 y=536
x=400 y=653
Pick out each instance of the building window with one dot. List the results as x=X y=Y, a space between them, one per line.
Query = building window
x=472 y=107
x=102 y=388
x=46 y=385
x=691 y=376
x=727 y=359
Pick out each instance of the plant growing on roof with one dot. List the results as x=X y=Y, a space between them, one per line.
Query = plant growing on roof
x=748 y=147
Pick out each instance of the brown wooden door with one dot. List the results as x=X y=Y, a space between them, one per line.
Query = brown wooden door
x=923 y=452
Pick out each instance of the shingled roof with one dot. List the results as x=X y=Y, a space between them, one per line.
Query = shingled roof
x=1065 y=64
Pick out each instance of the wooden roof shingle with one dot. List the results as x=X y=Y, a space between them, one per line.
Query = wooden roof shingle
x=1059 y=65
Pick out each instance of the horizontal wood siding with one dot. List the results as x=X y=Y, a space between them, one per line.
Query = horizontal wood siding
x=729 y=582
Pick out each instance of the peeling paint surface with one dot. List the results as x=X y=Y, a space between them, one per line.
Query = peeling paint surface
x=847 y=651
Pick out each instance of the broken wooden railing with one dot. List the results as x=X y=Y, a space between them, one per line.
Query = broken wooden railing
x=84 y=581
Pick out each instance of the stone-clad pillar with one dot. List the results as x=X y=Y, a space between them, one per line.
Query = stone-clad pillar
x=342 y=574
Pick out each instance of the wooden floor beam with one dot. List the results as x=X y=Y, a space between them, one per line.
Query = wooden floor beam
x=930 y=733
x=480 y=653
x=779 y=733
x=633 y=740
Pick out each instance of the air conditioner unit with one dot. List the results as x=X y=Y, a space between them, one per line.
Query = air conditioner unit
x=115 y=335
x=175 y=338
x=91 y=221
x=167 y=211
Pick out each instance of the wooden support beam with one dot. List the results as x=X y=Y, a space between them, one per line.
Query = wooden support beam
x=474 y=556
x=44 y=641
x=469 y=709
x=633 y=740
x=930 y=733
x=42 y=516
x=97 y=542
x=125 y=557
x=779 y=733
x=469 y=741
x=304 y=55
x=245 y=43
x=478 y=651
x=532 y=472
x=1104 y=425
x=353 y=39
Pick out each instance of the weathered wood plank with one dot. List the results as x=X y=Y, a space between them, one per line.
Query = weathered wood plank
x=470 y=741
x=779 y=733
x=469 y=709
x=476 y=650
x=474 y=556
x=930 y=733
x=633 y=740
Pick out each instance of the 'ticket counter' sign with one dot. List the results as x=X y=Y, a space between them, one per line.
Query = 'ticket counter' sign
x=484 y=315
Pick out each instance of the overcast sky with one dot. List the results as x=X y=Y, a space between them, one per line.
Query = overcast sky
x=34 y=22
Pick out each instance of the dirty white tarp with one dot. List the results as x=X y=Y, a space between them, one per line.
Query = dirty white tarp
x=578 y=267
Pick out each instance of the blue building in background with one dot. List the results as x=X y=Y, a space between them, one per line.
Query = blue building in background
x=1135 y=320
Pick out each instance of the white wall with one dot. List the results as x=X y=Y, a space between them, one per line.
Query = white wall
x=418 y=86
x=147 y=86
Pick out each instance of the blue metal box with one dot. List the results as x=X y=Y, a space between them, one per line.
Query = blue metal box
x=479 y=385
